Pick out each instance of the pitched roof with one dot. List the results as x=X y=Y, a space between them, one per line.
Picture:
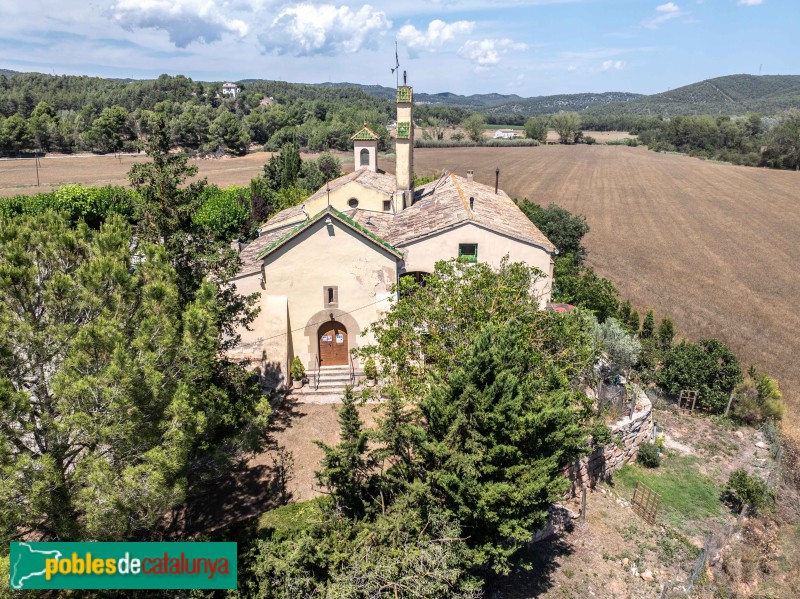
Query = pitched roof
x=327 y=211
x=444 y=204
x=378 y=181
x=365 y=134
x=438 y=206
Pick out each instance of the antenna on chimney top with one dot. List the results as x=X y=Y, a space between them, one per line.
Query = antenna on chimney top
x=404 y=78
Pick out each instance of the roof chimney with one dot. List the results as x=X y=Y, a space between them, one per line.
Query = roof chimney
x=404 y=145
x=470 y=175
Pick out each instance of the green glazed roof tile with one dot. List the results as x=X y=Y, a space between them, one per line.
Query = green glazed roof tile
x=404 y=94
x=404 y=130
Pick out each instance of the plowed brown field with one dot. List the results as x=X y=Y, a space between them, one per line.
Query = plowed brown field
x=715 y=246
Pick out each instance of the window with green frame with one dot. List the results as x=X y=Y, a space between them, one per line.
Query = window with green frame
x=468 y=251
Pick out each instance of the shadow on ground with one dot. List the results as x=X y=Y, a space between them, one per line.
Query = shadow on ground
x=222 y=495
x=535 y=577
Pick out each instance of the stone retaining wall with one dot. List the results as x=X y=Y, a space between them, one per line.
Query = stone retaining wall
x=629 y=432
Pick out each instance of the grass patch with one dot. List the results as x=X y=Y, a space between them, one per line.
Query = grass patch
x=289 y=519
x=686 y=494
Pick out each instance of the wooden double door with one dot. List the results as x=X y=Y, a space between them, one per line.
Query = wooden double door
x=333 y=347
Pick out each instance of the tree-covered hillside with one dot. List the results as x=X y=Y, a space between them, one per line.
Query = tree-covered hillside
x=734 y=94
x=46 y=113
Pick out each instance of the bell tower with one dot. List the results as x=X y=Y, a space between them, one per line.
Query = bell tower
x=365 y=149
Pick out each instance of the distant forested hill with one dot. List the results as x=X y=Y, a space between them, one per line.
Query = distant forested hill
x=734 y=94
x=501 y=104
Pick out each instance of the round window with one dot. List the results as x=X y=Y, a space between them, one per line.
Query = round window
x=352 y=202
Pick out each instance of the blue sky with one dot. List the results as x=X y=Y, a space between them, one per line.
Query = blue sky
x=527 y=47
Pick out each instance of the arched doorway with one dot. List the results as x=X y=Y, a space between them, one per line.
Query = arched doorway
x=333 y=346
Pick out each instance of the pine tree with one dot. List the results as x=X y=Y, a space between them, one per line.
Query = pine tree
x=104 y=380
x=648 y=326
x=347 y=468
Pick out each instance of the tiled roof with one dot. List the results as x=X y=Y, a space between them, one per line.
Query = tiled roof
x=438 y=206
x=445 y=203
x=251 y=263
x=365 y=134
x=329 y=211
x=380 y=182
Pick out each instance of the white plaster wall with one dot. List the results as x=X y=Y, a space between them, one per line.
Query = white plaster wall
x=368 y=199
x=422 y=255
x=315 y=259
x=372 y=147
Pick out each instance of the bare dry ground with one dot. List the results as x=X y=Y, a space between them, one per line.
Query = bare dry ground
x=19 y=176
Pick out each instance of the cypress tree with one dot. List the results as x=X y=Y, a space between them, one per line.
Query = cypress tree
x=346 y=468
x=648 y=326
x=666 y=333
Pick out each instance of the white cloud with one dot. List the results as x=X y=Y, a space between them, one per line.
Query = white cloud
x=572 y=68
x=486 y=53
x=307 y=30
x=185 y=21
x=437 y=35
x=750 y=2
x=666 y=12
x=617 y=65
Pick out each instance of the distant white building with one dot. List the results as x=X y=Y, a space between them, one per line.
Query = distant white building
x=505 y=134
x=230 y=89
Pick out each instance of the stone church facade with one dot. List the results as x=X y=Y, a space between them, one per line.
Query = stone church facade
x=326 y=270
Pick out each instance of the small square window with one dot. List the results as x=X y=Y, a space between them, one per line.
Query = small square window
x=468 y=251
x=387 y=205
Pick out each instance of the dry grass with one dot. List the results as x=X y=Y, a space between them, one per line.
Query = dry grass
x=19 y=176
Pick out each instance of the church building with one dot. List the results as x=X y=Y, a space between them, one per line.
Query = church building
x=326 y=269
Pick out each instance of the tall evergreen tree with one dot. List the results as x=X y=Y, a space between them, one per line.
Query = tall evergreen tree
x=497 y=436
x=648 y=326
x=105 y=381
x=666 y=333
x=347 y=468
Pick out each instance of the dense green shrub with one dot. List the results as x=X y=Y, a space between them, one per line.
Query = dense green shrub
x=91 y=204
x=224 y=211
x=564 y=229
x=757 y=400
x=648 y=455
x=370 y=370
x=709 y=367
x=582 y=287
x=744 y=491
